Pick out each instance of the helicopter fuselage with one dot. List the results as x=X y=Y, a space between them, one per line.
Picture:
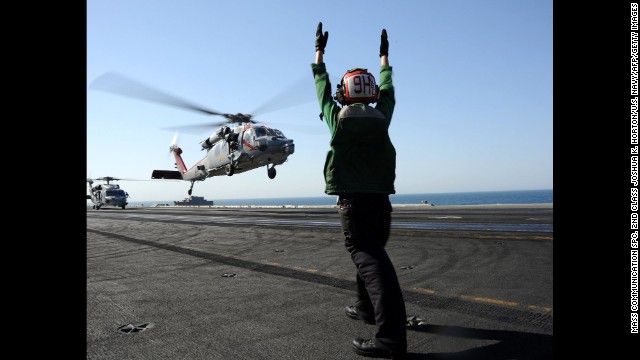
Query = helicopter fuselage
x=233 y=150
x=245 y=147
x=108 y=195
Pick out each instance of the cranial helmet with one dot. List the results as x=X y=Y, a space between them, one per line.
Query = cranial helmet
x=357 y=86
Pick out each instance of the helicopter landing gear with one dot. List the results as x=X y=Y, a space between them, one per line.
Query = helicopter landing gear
x=191 y=188
x=229 y=169
x=123 y=207
x=271 y=171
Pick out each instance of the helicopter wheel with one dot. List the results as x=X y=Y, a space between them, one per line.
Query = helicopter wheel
x=123 y=207
x=189 y=192
x=229 y=169
x=271 y=172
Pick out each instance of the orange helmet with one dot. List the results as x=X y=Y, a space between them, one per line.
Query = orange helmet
x=357 y=86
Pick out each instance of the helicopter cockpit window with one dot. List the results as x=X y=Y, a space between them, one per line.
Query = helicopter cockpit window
x=278 y=133
x=260 y=131
x=115 y=193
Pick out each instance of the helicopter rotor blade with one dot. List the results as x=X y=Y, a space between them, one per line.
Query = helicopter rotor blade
x=109 y=179
x=197 y=128
x=298 y=93
x=121 y=85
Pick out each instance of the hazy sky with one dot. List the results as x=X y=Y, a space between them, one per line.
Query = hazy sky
x=473 y=83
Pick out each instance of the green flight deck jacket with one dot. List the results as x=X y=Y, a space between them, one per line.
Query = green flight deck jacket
x=361 y=158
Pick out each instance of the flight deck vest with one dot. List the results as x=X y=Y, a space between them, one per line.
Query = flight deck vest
x=362 y=158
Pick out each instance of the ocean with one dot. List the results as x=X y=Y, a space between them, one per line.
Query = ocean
x=456 y=198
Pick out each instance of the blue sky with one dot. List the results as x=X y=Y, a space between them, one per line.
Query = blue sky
x=473 y=79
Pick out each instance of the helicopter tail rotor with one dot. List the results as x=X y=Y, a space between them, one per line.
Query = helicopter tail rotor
x=174 y=142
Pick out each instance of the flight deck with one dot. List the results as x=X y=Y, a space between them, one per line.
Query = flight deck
x=272 y=282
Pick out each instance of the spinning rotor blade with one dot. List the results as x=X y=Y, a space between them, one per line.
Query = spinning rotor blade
x=174 y=141
x=108 y=178
x=121 y=85
x=173 y=145
x=298 y=93
x=196 y=129
x=111 y=178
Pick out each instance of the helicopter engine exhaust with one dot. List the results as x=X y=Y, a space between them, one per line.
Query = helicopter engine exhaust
x=215 y=137
x=208 y=142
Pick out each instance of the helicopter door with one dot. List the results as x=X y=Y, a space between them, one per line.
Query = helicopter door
x=248 y=140
x=259 y=138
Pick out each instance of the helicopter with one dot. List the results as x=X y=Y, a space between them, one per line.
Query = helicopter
x=107 y=194
x=239 y=143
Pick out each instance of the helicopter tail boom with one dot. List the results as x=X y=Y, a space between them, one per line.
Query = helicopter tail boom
x=172 y=174
x=179 y=162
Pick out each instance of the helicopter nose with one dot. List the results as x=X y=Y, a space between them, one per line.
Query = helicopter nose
x=288 y=148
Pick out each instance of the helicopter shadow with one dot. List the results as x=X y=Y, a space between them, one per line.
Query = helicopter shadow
x=510 y=345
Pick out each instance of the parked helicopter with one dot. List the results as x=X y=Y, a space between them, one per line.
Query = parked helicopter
x=230 y=149
x=107 y=194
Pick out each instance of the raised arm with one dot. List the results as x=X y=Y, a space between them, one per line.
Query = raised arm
x=384 y=49
x=321 y=42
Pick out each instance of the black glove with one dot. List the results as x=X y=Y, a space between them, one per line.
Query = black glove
x=384 y=44
x=321 y=40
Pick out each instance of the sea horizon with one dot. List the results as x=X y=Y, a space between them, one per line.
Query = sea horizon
x=544 y=196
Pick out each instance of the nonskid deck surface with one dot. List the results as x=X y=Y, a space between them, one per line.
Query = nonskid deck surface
x=272 y=283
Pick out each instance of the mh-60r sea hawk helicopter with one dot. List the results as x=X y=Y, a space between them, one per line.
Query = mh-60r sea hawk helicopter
x=107 y=194
x=233 y=150
x=230 y=150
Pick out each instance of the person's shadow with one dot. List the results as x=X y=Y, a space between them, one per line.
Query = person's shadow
x=510 y=345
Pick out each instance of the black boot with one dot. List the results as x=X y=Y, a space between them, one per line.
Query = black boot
x=353 y=313
x=374 y=348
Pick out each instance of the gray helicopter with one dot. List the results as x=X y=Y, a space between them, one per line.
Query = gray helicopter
x=243 y=146
x=107 y=194
x=233 y=150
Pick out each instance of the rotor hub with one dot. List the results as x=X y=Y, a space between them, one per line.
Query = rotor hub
x=239 y=118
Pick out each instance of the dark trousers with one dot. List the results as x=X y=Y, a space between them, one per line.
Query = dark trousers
x=366 y=222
